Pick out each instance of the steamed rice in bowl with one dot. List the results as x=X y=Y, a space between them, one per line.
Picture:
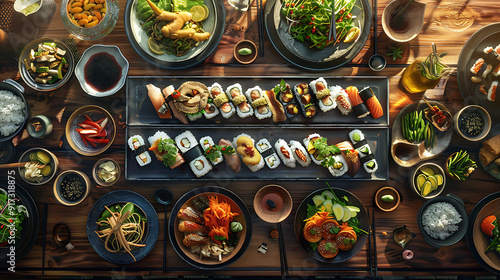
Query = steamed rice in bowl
x=11 y=112
x=440 y=220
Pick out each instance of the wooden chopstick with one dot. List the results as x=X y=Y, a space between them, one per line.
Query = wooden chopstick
x=333 y=28
x=260 y=21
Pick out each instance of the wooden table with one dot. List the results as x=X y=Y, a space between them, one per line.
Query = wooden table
x=58 y=105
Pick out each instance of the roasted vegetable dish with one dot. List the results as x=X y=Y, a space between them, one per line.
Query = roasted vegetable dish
x=46 y=63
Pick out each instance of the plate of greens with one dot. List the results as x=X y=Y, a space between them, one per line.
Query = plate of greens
x=299 y=31
x=174 y=34
x=139 y=227
x=331 y=225
x=20 y=212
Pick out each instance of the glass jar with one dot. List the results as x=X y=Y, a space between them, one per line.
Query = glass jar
x=103 y=28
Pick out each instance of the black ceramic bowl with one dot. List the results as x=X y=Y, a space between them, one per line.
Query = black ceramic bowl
x=462 y=226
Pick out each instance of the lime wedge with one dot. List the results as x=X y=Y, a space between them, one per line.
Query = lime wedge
x=352 y=35
x=153 y=46
x=199 y=13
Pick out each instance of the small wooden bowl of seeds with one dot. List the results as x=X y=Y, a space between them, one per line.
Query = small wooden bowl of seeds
x=71 y=187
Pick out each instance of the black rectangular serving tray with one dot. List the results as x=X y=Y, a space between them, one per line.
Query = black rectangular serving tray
x=140 y=110
x=377 y=137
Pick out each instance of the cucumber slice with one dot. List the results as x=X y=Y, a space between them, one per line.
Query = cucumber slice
x=46 y=170
x=328 y=205
x=347 y=214
x=327 y=194
x=318 y=200
x=43 y=157
x=353 y=208
x=33 y=157
x=338 y=211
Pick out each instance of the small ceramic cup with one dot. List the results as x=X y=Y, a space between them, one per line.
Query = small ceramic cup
x=39 y=126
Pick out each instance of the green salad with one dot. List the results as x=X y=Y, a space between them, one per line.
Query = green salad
x=309 y=21
x=11 y=218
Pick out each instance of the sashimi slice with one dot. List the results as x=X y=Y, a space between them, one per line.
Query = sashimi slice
x=154 y=94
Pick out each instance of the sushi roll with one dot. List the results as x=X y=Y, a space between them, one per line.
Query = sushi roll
x=305 y=100
x=491 y=53
x=477 y=66
x=285 y=153
x=338 y=167
x=139 y=149
x=258 y=102
x=194 y=117
x=372 y=102
x=487 y=71
x=291 y=110
x=358 y=106
x=235 y=94
x=496 y=71
x=299 y=153
x=250 y=155
x=351 y=157
x=364 y=150
x=169 y=153
x=492 y=92
x=323 y=95
x=309 y=145
x=284 y=93
x=185 y=141
x=211 y=152
x=357 y=138
x=211 y=110
x=266 y=150
x=221 y=101
x=371 y=165
x=200 y=166
x=343 y=102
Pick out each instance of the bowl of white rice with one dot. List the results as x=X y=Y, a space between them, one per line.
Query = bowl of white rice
x=443 y=220
x=13 y=109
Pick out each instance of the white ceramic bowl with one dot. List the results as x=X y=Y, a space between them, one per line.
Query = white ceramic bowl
x=120 y=59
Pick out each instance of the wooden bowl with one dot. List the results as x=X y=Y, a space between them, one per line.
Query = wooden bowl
x=387 y=206
x=54 y=163
x=282 y=201
x=481 y=240
x=74 y=138
x=58 y=192
x=245 y=59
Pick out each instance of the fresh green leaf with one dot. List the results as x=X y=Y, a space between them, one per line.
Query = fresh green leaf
x=314 y=246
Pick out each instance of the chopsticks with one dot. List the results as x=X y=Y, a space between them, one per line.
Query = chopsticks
x=333 y=28
x=283 y=261
x=260 y=21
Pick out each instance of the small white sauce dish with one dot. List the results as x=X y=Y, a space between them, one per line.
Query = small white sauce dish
x=95 y=49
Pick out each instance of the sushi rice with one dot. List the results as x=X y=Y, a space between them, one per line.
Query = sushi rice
x=339 y=168
x=240 y=113
x=200 y=166
x=185 y=141
x=323 y=94
x=356 y=136
x=136 y=144
x=342 y=99
x=296 y=148
x=261 y=100
x=207 y=142
x=282 y=147
x=368 y=163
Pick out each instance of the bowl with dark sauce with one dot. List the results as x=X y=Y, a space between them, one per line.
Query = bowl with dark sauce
x=473 y=122
x=102 y=70
x=71 y=187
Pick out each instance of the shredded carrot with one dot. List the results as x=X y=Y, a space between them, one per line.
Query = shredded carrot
x=319 y=218
x=218 y=217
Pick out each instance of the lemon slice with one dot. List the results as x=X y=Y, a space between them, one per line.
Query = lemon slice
x=352 y=35
x=199 y=13
x=153 y=46
x=207 y=12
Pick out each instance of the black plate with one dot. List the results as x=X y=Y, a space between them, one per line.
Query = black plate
x=178 y=63
x=472 y=50
x=462 y=226
x=342 y=256
x=140 y=110
x=470 y=230
x=211 y=189
x=377 y=137
x=492 y=168
x=301 y=55
x=29 y=232
x=153 y=226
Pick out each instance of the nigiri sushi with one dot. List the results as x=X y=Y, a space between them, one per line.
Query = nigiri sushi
x=372 y=102
x=343 y=101
x=167 y=92
x=477 y=66
x=159 y=102
x=232 y=160
x=350 y=156
x=492 y=92
x=358 y=106
x=171 y=159
x=285 y=153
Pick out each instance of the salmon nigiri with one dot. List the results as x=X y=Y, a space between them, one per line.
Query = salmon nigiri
x=372 y=102
x=358 y=106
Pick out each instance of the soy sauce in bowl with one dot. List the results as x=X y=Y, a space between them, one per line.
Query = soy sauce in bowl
x=102 y=72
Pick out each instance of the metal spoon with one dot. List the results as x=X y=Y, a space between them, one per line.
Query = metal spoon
x=377 y=62
x=164 y=197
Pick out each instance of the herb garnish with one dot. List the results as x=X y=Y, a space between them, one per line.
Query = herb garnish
x=214 y=152
x=281 y=87
x=168 y=146
x=324 y=150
